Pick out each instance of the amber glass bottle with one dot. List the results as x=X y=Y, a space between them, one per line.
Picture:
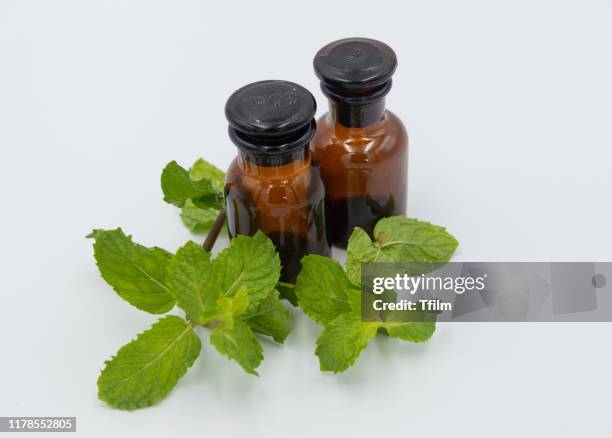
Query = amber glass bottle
x=360 y=147
x=271 y=186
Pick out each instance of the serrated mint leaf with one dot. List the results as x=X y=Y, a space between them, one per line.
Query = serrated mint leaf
x=414 y=326
x=145 y=370
x=342 y=340
x=214 y=200
x=227 y=309
x=287 y=292
x=94 y=233
x=321 y=288
x=235 y=305
x=272 y=318
x=198 y=220
x=161 y=252
x=251 y=262
x=410 y=331
x=136 y=273
x=398 y=239
x=178 y=187
x=240 y=344
x=198 y=192
x=360 y=246
x=189 y=272
x=202 y=169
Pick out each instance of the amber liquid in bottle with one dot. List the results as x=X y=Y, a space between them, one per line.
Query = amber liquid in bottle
x=286 y=202
x=360 y=147
x=364 y=170
x=271 y=185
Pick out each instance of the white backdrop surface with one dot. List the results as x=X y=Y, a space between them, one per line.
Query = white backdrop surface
x=508 y=107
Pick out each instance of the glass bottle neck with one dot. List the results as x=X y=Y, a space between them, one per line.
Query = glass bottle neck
x=357 y=115
x=275 y=166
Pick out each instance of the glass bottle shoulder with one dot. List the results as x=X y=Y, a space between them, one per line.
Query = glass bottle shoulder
x=378 y=141
x=275 y=186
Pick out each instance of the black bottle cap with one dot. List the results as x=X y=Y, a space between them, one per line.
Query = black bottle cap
x=271 y=117
x=355 y=68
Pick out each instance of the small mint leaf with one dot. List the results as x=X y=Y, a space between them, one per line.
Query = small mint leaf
x=136 y=273
x=240 y=344
x=249 y=261
x=145 y=370
x=178 y=187
x=202 y=169
x=342 y=341
x=322 y=288
x=196 y=219
x=410 y=331
x=287 y=292
x=189 y=274
x=272 y=318
x=399 y=239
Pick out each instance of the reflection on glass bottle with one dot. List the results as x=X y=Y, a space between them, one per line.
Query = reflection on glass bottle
x=360 y=147
x=271 y=185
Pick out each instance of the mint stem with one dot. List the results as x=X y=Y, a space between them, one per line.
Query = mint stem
x=211 y=238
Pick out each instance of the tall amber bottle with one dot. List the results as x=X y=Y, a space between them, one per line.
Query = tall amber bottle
x=271 y=186
x=360 y=147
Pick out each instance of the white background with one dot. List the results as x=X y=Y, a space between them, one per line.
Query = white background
x=508 y=106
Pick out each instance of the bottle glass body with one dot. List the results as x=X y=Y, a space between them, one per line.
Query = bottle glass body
x=364 y=168
x=284 y=198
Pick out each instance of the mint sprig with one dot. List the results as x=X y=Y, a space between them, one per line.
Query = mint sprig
x=233 y=295
x=198 y=192
x=332 y=298
x=178 y=187
x=399 y=239
x=335 y=303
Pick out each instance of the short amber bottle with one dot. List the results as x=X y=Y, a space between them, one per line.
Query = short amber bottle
x=360 y=147
x=271 y=185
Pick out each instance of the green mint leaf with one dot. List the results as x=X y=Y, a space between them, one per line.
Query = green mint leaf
x=227 y=309
x=237 y=304
x=145 y=370
x=202 y=169
x=272 y=318
x=198 y=192
x=419 y=326
x=321 y=288
x=161 y=252
x=240 y=344
x=251 y=262
x=342 y=340
x=189 y=272
x=196 y=219
x=203 y=288
x=178 y=187
x=410 y=331
x=287 y=292
x=398 y=239
x=136 y=273
x=94 y=233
